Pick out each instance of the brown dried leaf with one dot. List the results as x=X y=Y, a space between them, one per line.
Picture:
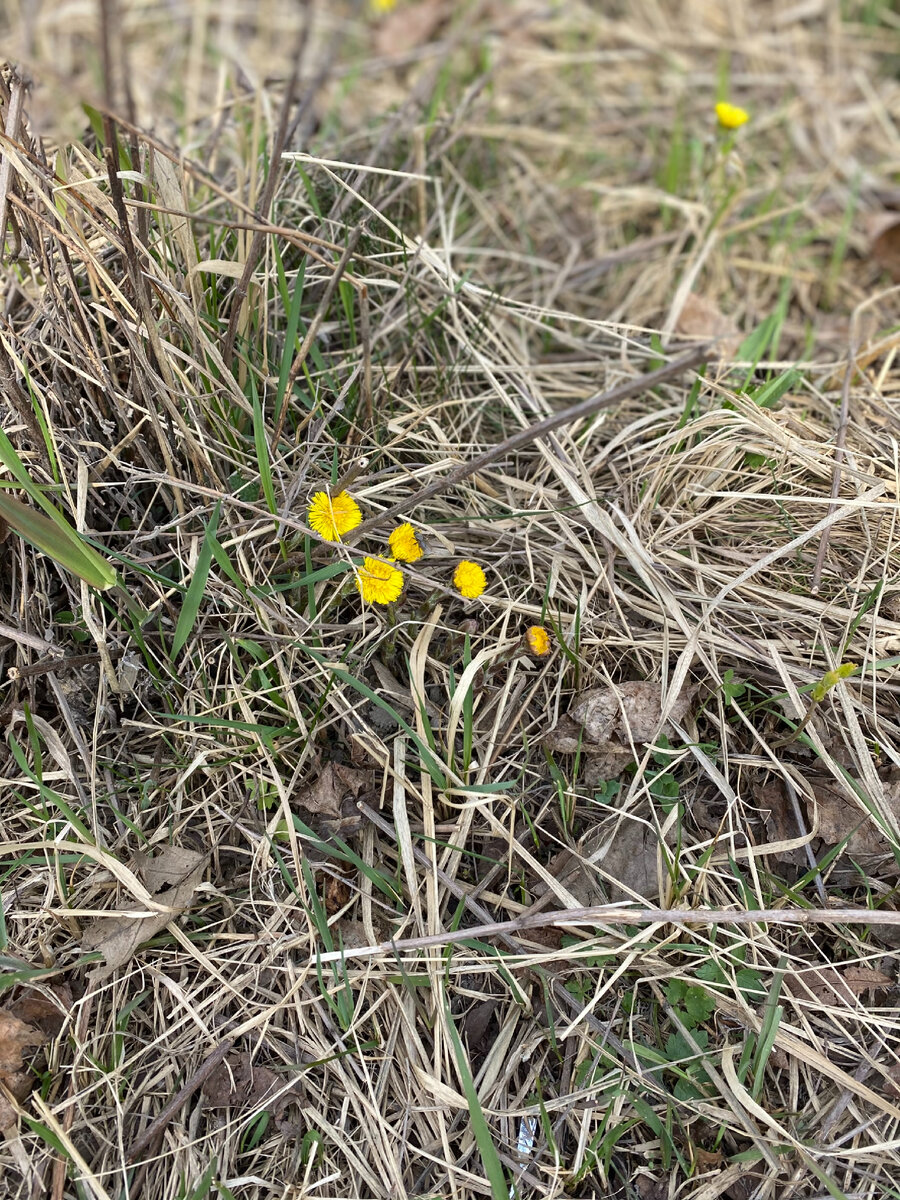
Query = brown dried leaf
x=839 y=816
x=829 y=986
x=15 y=1037
x=632 y=860
x=237 y=1083
x=865 y=979
x=631 y=710
x=409 y=26
x=701 y=318
x=324 y=794
x=884 y=247
x=174 y=875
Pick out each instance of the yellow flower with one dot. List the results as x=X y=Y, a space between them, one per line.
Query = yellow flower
x=538 y=640
x=404 y=545
x=469 y=579
x=730 y=116
x=333 y=516
x=382 y=6
x=379 y=582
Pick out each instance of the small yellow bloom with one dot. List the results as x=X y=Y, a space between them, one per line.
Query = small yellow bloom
x=469 y=579
x=333 y=516
x=730 y=116
x=404 y=545
x=379 y=582
x=538 y=640
x=382 y=6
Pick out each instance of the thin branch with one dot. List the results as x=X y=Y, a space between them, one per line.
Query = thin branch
x=617 y=914
x=181 y=1097
x=576 y=412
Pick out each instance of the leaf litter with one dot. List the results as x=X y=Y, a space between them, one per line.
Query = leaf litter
x=172 y=877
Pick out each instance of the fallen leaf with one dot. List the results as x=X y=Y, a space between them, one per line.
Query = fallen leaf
x=332 y=796
x=701 y=318
x=172 y=877
x=409 y=26
x=884 y=246
x=15 y=1037
x=633 y=862
x=839 y=816
x=629 y=711
x=337 y=894
x=237 y=1083
x=829 y=986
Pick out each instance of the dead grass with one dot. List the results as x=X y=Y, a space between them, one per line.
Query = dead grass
x=482 y=218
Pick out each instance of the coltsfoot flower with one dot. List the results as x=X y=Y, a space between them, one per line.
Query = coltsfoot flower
x=538 y=640
x=404 y=544
x=469 y=579
x=379 y=582
x=730 y=116
x=333 y=516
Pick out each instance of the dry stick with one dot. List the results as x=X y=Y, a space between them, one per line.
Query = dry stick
x=181 y=1097
x=843 y=422
x=616 y=914
x=584 y=408
x=256 y=242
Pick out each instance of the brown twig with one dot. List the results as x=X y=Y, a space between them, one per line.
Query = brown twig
x=616 y=914
x=155 y=1128
x=576 y=412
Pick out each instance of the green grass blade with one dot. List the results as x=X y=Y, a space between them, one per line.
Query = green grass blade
x=486 y=1148
x=56 y=538
x=262 y=454
x=197 y=589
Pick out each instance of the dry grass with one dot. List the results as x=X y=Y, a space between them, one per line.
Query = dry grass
x=483 y=226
